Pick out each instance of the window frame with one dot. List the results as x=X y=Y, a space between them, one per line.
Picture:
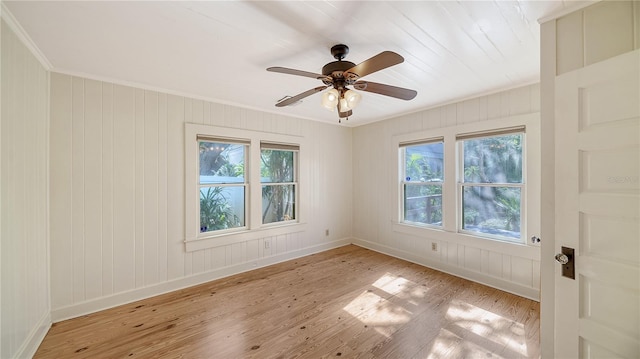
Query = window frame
x=403 y=182
x=451 y=194
x=254 y=229
x=296 y=150
x=244 y=184
x=461 y=184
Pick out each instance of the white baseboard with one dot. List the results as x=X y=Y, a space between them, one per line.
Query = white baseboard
x=92 y=306
x=510 y=287
x=36 y=336
x=111 y=301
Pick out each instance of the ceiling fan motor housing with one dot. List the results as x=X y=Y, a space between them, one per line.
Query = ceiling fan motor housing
x=337 y=67
x=339 y=51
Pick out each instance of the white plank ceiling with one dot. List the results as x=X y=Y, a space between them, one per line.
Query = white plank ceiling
x=219 y=50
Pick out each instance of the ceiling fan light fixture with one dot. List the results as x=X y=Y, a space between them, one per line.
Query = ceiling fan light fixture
x=330 y=99
x=343 y=106
x=352 y=99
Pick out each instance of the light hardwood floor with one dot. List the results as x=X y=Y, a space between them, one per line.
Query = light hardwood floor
x=347 y=302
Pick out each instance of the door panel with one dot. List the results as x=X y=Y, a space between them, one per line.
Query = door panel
x=596 y=229
x=598 y=209
x=593 y=350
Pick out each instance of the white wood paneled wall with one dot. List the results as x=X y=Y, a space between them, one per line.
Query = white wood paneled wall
x=580 y=40
x=496 y=264
x=117 y=194
x=24 y=192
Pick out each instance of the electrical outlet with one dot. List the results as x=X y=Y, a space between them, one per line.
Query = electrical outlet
x=434 y=246
x=326 y=232
x=267 y=244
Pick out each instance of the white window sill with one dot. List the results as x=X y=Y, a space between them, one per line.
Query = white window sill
x=212 y=240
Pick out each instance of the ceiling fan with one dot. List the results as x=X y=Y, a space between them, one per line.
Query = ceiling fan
x=340 y=74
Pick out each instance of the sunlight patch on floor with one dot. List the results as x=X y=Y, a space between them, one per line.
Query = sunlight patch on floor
x=373 y=310
x=386 y=315
x=401 y=288
x=393 y=284
x=450 y=345
x=443 y=345
x=489 y=326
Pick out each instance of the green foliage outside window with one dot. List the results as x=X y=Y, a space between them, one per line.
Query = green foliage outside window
x=222 y=203
x=493 y=159
x=495 y=162
x=277 y=167
x=423 y=178
x=215 y=211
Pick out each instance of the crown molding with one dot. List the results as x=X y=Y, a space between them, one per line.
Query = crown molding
x=24 y=37
x=192 y=96
x=572 y=7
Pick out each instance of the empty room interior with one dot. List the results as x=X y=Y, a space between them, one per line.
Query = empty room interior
x=307 y=179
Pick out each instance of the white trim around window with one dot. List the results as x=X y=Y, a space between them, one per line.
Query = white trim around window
x=451 y=201
x=254 y=229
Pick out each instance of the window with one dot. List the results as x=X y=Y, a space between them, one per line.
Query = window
x=423 y=174
x=491 y=183
x=242 y=185
x=469 y=182
x=278 y=178
x=222 y=182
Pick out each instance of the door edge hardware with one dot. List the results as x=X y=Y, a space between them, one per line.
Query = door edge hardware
x=567 y=259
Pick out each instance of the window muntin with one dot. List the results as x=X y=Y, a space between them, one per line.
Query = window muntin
x=278 y=176
x=222 y=184
x=423 y=175
x=492 y=185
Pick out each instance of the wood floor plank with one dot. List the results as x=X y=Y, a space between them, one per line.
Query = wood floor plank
x=348 y=302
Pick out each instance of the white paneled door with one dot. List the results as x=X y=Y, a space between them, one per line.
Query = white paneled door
x=598 y=209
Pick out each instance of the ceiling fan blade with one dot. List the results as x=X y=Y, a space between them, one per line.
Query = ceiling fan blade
x=380 y=61
x=387 y=90
x=298 y=97
x=284 y=70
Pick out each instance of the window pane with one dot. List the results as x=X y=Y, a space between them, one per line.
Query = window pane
x=424 y=163
x=276 y=166
x=423 y=204
x=492 y=210
x=221 y=162
x=495 y=159
x=221 y=208
x=278 y=203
